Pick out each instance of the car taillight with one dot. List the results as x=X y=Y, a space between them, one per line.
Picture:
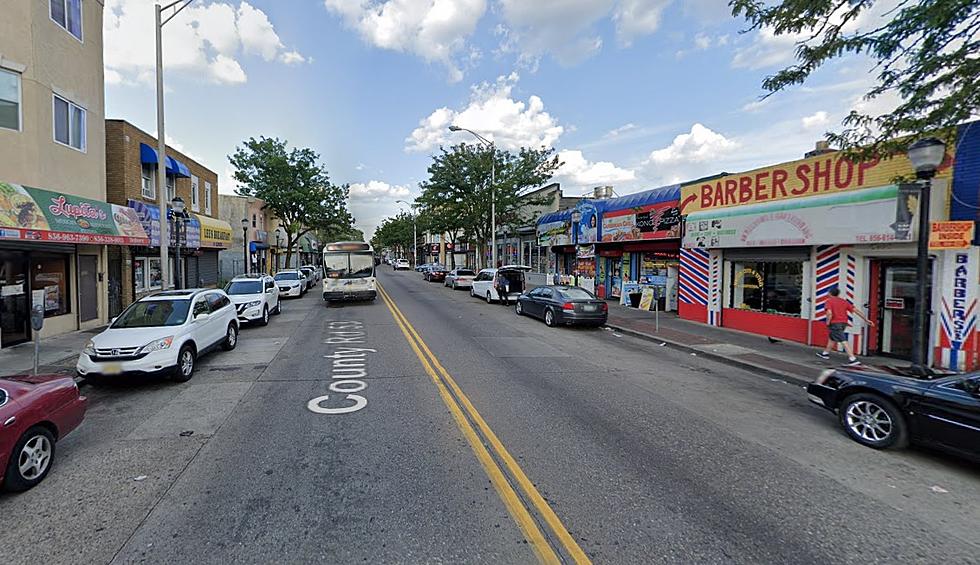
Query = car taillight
x=568 y=306
x=604 y=307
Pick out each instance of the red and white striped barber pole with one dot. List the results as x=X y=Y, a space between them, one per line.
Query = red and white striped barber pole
x=957 y=309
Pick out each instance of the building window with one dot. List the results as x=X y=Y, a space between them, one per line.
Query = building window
x=253 y=220
x=9 y=100
x=171 y=187
x=49 y=283
x=773 y=287
x=195 y=194
x=68 y=14
x=147 y=274
x=149 y=182
x=69 y=123
x=207 y=198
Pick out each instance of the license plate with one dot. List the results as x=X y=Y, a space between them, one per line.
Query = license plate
x=284 y=288
x=589 y=308
x=112 y=368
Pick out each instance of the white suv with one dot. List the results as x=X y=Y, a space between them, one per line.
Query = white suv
x=291 y=282
x=255 y=297
x=164 y=333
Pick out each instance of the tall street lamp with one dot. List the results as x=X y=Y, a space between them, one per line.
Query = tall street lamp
x=576 y=218
x=161 y=138
x=926 y=155
x=415 y=234
x=493 y=191
x=178 y=207
x=245 y=243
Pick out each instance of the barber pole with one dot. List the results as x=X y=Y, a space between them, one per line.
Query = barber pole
x=958 y=340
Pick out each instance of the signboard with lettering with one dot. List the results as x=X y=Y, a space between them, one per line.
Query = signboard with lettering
x=950 y=235
x=653 y=221
x=555 y=233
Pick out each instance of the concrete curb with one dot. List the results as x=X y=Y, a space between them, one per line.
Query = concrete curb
x=749 y=366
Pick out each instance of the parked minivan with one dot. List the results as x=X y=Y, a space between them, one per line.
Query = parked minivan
x=486 y=282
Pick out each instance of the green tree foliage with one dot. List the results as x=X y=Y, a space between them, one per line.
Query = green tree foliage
x=456 y=198
x=394 y=233
x=925 y=53
x=293 y=185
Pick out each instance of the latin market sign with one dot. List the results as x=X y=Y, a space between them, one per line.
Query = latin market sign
x=824 y=174
x=29 y=213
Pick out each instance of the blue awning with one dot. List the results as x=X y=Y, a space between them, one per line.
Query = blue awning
x=560 y=215
x=645 y=198
x=148 y=155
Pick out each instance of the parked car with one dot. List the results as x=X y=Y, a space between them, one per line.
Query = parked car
x=308 y=277
x=290 y=283
x=486 y=282
x=36 y=411
x=435 y=273
x=421 y=268
x=315 y=274
x=459 y=278
x=401 y=264
x=887 y=407
x=255 y=297
x=563 y=305
x=164 y=333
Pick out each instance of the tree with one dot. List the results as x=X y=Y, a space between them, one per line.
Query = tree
x=456 y=198
x=925 y=53
x=293 y=185
x=394 y=233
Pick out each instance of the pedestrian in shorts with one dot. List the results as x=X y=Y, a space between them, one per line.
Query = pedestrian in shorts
x=836 y=310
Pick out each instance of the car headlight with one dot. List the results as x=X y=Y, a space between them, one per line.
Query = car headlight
x=157 y=345
x=89 y=348
x=253 y=303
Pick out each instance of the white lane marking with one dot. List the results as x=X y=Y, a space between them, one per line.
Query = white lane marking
x=314 y=405
x=347 y=364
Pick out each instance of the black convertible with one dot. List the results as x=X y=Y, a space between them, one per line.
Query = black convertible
x=884 y=407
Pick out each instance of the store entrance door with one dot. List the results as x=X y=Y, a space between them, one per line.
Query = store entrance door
x=896 y=307
x=14 y=304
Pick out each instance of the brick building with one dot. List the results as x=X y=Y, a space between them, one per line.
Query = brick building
x=131 y=178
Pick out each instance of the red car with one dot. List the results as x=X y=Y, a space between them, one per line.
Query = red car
x=35 y=412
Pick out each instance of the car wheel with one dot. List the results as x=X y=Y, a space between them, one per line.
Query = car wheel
x=518 y=309
x=489 y=300
x=278 y=309
x=873 y=421
x=265 y=317
x=231 y=338
x=454 y=285
x=31 y=459
x=472 y=294
x=549 y=318
x=185 y=365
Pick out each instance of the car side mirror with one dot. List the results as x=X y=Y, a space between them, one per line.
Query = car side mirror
x=269 y=290
x=202 y=316
x=113 y=320
x=972 y=387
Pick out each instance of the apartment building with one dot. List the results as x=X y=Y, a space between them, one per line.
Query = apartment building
x=55 y=223
x=131 y=182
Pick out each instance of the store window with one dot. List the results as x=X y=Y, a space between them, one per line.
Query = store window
x=774 y=287
x=139 y=275
x=49 y=283
x=147 y=274
x=653 y=267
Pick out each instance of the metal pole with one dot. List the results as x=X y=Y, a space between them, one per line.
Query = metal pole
x=493 y=204
x=177 y=274
x=162 y=159
x=245 y=248
x=415 y=242
x=920 y=327
x=575 y=251
x=37 y=350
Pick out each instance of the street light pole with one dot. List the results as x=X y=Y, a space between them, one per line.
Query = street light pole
x=926 y=156
x=576 y=218
x=493 y=191
x=245 y=244
x=178 y=209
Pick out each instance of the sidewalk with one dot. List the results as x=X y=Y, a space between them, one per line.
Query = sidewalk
x=57 y=354
x=780 y=359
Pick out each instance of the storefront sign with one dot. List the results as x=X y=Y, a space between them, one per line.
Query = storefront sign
x=895 y=303
x=588 y=226
x=863 y=216
x=823 y=174
x=215 y=234
x=958 y=310
x=149 y=217
x=653 y=221
x=585 y=251
x=950 y=235
x=555 y=233
x=44 y=215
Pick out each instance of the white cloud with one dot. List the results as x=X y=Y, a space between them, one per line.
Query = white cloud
x=206 y=40
x=689 y=155
x=817 y=119
x=577 y=171
x=702 y=41
x=767 y=50
x=755 y=105
x=637 y=17
x=435 y=30
x=620 y=130
x=377 y=191
x=494 y=114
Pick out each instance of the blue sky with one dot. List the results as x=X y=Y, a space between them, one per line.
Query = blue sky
x=633 y=93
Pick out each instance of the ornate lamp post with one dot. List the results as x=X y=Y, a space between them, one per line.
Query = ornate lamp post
x=245 y=243
x=178 y=214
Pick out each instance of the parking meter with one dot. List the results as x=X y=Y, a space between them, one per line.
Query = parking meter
x=37 y=322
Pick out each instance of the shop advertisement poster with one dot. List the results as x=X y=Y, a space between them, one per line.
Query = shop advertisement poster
x=654 y=221
x=951 y=235
x=44 y=215
x=149 y=217
x=555 y=233
x=874 y=215
x=588 y=226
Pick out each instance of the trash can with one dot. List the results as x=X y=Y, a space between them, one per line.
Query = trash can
x=635 y=299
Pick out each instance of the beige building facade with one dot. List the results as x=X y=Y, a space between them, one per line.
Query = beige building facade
x=55 y=225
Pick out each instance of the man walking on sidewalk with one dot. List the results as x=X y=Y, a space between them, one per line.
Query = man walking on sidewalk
x=835 y=313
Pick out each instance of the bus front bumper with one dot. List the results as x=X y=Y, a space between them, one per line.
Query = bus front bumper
x=331 y=296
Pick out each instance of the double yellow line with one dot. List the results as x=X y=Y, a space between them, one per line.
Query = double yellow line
x=471 y=421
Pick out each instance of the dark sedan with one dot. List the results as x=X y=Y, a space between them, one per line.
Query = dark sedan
x=886 y=407
x=563 y=305
x=435 y=273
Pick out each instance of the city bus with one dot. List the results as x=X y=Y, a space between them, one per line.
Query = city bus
x=348 y=271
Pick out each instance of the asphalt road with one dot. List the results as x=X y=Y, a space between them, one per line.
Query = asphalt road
x=428 y=426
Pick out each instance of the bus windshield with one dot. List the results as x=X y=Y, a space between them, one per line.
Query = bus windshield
x=340 y=265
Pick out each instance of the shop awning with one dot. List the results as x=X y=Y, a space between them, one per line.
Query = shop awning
x=149 y=217
x=148 y=155
x=254 y=246
x=215 y=234
x=36 y=214
x=670 y=193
